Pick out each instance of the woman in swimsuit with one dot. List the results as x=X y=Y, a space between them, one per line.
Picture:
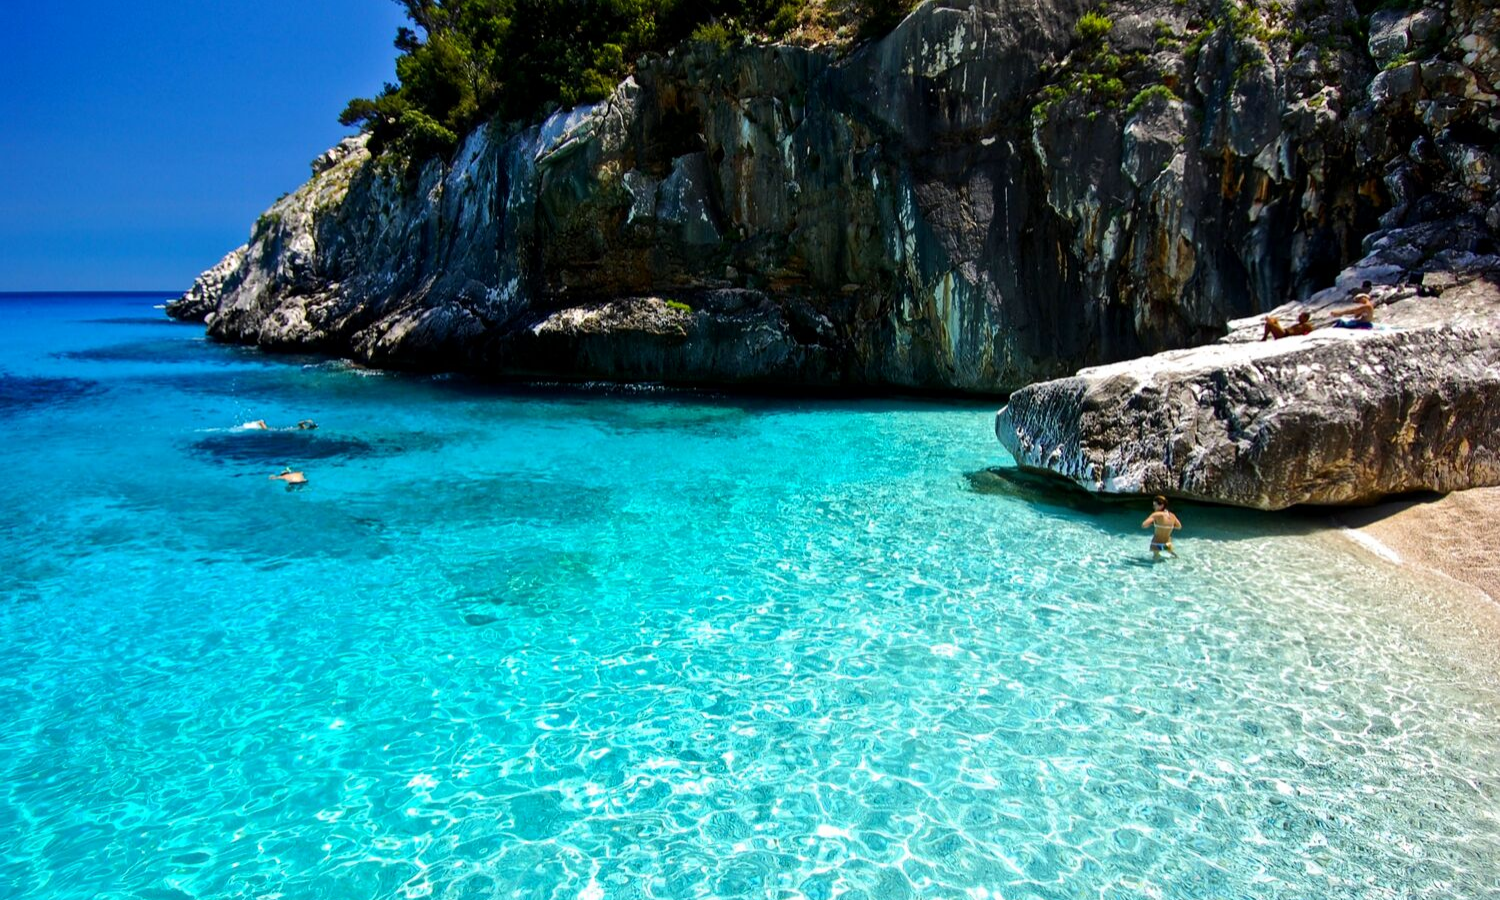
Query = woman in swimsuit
x=1165 y=523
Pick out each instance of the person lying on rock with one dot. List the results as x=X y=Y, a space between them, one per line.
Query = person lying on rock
x=1164 y=523
x=1361 y=315
x=1274 y=328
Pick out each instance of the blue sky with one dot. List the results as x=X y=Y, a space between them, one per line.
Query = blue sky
x=140 y=141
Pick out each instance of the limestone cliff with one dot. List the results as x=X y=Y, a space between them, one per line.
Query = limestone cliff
x=994 y=193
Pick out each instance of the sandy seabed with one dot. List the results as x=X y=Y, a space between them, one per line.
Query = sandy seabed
x=1445 y=551
x=1456 y=536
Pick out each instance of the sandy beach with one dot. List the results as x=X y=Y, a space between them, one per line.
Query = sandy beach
x=1456 y=536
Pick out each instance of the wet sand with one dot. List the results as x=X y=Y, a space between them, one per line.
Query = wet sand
x=1455 y=536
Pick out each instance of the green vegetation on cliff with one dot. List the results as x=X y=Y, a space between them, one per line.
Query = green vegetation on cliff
x=467 y=60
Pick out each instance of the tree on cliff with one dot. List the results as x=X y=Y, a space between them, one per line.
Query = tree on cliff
x=467 y=60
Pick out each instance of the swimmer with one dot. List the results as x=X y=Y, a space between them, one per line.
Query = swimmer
x=289 y=477
x=306 y=425
x=1165 y=523
x=257 y=425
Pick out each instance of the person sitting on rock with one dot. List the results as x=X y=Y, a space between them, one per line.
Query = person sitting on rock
x=1361 y=315
x=1274 y=328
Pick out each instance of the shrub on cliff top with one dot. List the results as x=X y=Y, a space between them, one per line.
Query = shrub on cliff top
x=466 y=60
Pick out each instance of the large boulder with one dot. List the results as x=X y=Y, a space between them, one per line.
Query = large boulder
x=1335 y=417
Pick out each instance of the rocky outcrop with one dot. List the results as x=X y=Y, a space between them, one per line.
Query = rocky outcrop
x=1336 y=417
x=203 y=297
x=987 y=196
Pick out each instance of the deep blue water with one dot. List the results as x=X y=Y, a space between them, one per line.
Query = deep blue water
x=634 y=643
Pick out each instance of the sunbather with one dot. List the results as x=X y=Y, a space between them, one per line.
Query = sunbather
x=1274 y=328
x=1361 y=315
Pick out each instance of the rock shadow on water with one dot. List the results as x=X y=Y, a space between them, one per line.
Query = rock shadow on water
x=20 y=394
x=1204 y=521
x=1040 y=490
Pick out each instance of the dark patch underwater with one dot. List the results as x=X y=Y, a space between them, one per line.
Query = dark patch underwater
x=286 y=446
x=166 y=350
x=251 y=446
x=19 y=394
x=141 y=320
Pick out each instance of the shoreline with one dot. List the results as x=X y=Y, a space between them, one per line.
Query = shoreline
x=1435 y=553
x=1453 y=537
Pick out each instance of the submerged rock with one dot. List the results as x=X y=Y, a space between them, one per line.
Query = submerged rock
x=27 y=393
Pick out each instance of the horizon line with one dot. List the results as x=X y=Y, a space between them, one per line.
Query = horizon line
x=75 y=293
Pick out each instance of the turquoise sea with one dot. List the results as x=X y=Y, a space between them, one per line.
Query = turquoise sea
x=550 y=642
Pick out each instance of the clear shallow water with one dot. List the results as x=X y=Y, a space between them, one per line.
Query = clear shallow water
x=637 y=644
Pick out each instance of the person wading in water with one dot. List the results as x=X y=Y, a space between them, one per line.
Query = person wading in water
x=1165 y=523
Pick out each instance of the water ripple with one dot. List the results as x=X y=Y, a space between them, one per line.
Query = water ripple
x=559 y=646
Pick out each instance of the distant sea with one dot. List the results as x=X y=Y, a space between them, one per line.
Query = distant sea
x=641 y=643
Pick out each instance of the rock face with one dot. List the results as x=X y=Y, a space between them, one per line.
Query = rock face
x=1336 y=417
x=983 y=198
